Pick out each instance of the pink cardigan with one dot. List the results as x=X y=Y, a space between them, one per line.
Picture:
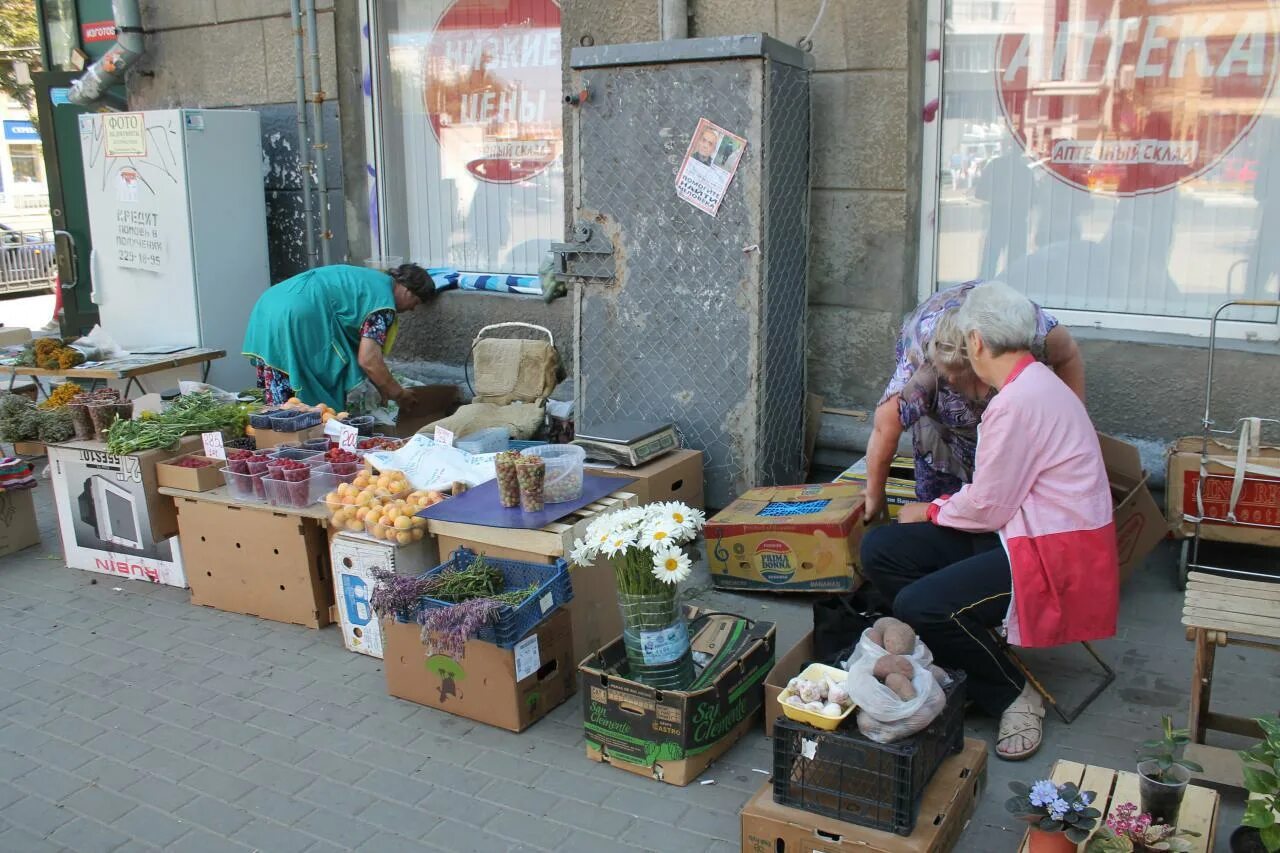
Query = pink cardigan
x=1040 y=481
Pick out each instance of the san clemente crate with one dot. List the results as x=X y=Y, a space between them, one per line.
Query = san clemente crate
x=513 y=623
x=844 y=775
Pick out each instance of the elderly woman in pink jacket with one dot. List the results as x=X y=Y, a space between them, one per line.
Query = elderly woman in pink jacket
x=1028 y=547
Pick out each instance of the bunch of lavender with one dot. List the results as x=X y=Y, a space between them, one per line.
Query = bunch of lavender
x=398 y=595
x=446 y=630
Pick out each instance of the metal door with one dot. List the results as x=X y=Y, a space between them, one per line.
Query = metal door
x=681 y=315
x=60 y=138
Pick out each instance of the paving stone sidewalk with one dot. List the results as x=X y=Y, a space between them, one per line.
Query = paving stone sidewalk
x=131 y=720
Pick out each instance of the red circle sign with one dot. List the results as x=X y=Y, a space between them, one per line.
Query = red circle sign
x=1136 y=96
x=492 y=87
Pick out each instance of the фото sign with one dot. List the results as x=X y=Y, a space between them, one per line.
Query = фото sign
x=493 y=88
x=1136 y=96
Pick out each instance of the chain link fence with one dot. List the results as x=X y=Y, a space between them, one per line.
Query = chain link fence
x=702 y=321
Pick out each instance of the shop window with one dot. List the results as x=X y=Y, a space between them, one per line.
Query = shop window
x=468 y=131
x=1122 y=170
x=28 y=166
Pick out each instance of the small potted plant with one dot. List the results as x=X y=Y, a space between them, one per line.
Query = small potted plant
x=1128 y=831
x=1163 y=773
x=1261 y=830
x=1061 y=816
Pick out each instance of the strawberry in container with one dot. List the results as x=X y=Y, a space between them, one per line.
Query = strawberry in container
x=344 y=463
x=238 y=461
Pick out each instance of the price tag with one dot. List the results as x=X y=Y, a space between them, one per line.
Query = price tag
x=348 y=436
x=444 y=436
x=546 y=603
x=528 y=660
x=213 y=445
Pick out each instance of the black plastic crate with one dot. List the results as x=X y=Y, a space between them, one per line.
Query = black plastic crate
x=857 y=780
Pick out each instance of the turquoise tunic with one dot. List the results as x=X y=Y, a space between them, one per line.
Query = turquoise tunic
x=308 y=327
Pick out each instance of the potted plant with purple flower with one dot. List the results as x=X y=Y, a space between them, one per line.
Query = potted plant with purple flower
x=1061 y=815
x=1127 y=830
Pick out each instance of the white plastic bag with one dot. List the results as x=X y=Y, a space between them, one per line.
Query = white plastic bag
x=882 y=716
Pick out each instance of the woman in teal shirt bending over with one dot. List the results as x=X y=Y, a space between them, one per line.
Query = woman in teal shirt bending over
x=319 y=335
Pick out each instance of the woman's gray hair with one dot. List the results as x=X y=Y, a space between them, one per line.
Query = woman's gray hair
x=1004 y=318
x=946 y=344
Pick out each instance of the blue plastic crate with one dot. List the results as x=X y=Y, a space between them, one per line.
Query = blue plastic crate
x=515 y=623
x=262 y=420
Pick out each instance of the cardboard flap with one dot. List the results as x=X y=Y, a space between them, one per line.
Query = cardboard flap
x=1124 y=464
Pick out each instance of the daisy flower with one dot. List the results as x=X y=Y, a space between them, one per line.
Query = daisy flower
x=658 y=535
x=685 y=519
x=582 y=553
x=671 y=565
x=619 y=542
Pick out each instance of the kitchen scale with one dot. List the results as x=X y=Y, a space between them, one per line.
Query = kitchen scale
x=627 y=443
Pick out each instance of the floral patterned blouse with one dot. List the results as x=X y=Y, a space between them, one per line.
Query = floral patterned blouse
x=275 y=383
x=943 y=421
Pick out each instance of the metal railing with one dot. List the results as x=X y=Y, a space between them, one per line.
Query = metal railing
x=28 y=261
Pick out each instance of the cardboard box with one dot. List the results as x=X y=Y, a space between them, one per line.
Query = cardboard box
x=899 y=488
x=354 y=559
x=1258 y=504
x=672 y=735
x=268 y=438
x=111 y=517
x=674 y=477
x=174 y=476
x=438 y=402
x=14 y=336
x=811 y=546
x=254 y=561
x=1139 y=524
x=945 y=809
x=787 y=668
x=508 y=688
x=28 y=448
x=18 y=528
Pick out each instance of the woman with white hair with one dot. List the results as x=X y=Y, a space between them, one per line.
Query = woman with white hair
x=1029 y=545
x=934 y=393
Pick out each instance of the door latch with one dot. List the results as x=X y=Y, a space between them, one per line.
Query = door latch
x=587 y=255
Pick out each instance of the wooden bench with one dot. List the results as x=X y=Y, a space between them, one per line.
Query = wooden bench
x=1218 y=612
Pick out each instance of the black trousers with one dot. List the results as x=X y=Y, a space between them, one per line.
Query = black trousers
x=951 y=587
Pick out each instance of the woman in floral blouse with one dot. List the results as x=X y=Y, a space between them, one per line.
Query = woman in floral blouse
x=935 y=394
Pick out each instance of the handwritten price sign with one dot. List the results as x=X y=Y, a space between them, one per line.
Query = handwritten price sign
x=213 y=445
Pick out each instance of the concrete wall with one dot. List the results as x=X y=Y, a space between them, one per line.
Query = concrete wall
x=240 y=53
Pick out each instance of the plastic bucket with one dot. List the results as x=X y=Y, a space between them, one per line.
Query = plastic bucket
x=564 y=471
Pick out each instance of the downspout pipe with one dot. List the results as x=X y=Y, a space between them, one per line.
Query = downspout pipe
x=110 y=69
x=674 y=23
x=317 y=131
x=304 y=155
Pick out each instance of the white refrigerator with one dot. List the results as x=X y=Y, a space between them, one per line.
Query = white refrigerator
x=177 y=215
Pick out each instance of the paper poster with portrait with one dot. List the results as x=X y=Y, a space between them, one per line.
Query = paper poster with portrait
x=709 y=165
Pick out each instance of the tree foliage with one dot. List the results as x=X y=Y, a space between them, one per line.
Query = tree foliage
x=19 y=42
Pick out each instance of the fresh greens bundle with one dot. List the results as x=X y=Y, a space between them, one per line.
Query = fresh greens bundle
x=189 y=415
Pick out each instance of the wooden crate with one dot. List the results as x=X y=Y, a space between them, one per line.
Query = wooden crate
x=1114 y=788
x=596 y=620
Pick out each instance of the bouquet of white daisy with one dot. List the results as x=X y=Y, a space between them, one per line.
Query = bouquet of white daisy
x=646 y=548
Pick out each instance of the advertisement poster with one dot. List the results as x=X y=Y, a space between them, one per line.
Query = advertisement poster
x=126 y=136
x=709 y=165
x=1115 y=157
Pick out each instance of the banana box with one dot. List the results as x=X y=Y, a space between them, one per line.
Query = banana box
x=788 y=539
x=899 y=488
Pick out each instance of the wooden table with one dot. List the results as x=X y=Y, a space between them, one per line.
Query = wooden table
x=1220 y=611
x=131 y=368
x=1199 y=811
x=254 y=558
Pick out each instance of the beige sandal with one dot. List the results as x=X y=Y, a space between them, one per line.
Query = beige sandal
x=1023 y=719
